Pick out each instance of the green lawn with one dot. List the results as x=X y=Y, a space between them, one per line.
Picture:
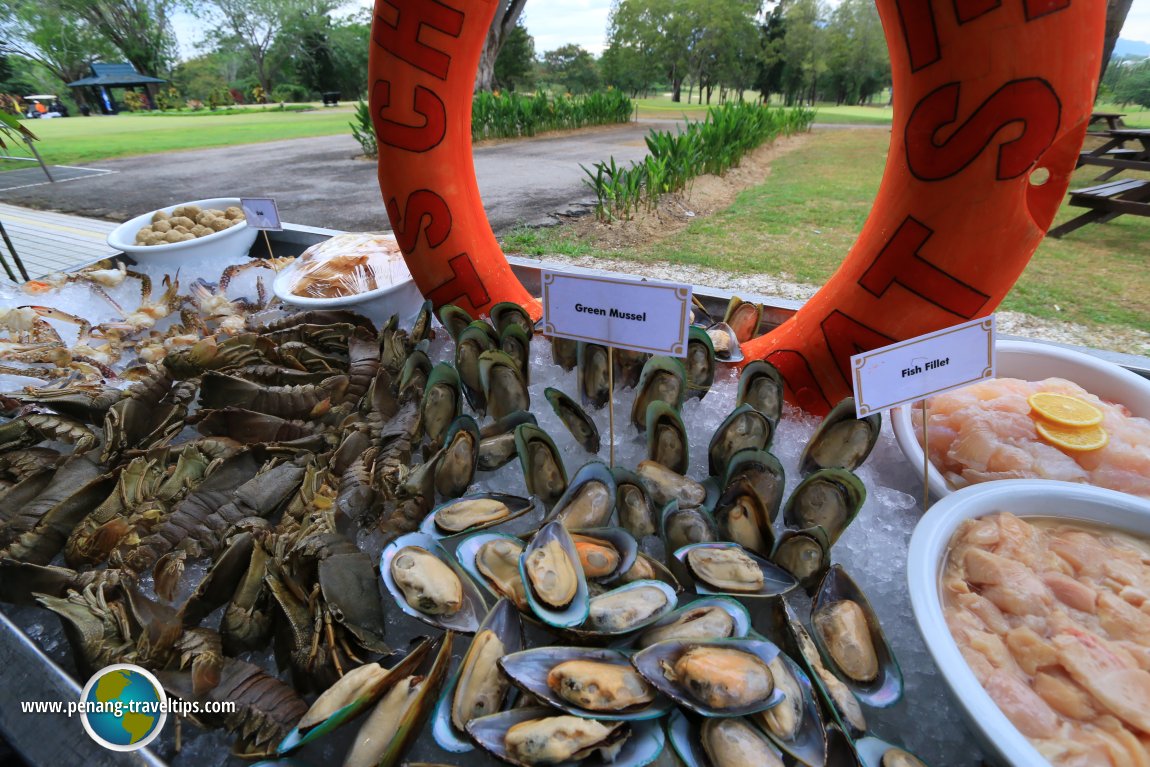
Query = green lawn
x=81 y=140
x=804 y=219
x=661 y=107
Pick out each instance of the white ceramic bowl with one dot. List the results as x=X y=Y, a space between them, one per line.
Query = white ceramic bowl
x=232 y=243
x=925 y=560
x=402 y=298
x=1034 y=362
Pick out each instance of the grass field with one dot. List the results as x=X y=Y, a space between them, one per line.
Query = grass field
x=804 y=219
x=80 y=140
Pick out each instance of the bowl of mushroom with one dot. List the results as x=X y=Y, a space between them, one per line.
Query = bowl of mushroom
x=182 y=234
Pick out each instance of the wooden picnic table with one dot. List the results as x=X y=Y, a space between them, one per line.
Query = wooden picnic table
x=1115 y=154
x=1112 y=119
x=1107 y=202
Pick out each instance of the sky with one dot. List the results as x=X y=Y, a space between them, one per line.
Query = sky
x=557 y=22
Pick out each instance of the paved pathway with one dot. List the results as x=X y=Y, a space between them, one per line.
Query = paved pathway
x=317 y=182
x=52 y=242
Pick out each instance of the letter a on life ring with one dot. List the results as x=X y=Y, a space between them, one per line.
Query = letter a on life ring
x=986 y=92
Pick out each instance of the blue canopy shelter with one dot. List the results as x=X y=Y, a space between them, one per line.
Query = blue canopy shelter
x=104 y=77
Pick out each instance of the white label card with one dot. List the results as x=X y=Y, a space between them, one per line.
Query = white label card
x=641 y=315
x=921 y=367
x=261 y=213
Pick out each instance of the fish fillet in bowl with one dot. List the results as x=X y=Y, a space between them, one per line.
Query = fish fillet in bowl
x=990 y=430
x=362 y=272
x=1028 y=596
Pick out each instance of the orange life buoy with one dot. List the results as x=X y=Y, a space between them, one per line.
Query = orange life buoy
x=988 y=95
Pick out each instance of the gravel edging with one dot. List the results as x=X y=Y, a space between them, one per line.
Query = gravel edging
x=1117 y=339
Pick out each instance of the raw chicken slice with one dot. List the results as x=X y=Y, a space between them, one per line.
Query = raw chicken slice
x=1115 y=682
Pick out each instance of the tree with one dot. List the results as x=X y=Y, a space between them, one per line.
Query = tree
x=858 y=63
x=141 y=30
x=516 y=63
x=654 y=31
x=572 y=67
x=802 y=50
x=256 y=25
x=42 y=33
x=502 y=26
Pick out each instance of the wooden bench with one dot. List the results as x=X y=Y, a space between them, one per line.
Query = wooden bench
x=1107 y=202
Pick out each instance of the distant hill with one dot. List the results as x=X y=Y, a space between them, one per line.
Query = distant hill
x=1135 y=48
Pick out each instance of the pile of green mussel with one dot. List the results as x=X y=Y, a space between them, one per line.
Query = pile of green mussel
x=212 y=510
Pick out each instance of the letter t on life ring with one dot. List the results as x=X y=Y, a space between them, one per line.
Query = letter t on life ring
x=424 y=56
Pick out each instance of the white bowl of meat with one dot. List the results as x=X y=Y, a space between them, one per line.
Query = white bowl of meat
x=1027 y=593
x=362 y=272
x=989 y=430
x=185 y=234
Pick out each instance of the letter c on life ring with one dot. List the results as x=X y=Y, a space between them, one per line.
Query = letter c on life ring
x=986 y=92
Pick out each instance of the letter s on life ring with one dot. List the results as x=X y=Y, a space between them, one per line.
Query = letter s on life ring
x=985 y=93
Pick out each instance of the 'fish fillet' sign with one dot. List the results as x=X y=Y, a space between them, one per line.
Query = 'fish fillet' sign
x=640 y=315
x=921 y=367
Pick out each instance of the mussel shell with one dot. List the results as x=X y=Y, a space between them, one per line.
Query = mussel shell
x=840 y=749
x=573 y=613
x=497 y=440
x=421 y=328
x=682 y=527
x=763 y=472
x=808 y=743
x=416 y=370
x=872 y=751
x=744 y=318
x=761 y=386
x=383 y=750
x=454 y=318
x=466 y=619
x=686 y=738
x=642 y=747
x=529 y=669
x=582 y=428
x=886 y=689
x=624 y=595
x=663 y=378
x=516 y=505
x=842 y=441
x=744 y=429
x=740 y=620
x=650 y=663
x=345 y=714
x=734 y=351
x=756 y=748
x=633 y=507
x=742 y=518
x=664 y=486
x=503 y=620
x=594 y=374
x=785 y=627
x=507 y=313
x=667 y=441
x=628 y=367
x=472 y=342
x=622 y=541
x=468 y=549
x=589 y=500
x=564 y=352
x=503 y=384
x=699 y=363
x=549 y=489
x=456 y=469
x=805 y=554
x=516 y=344
x=828 y=498
x=442 y=402
x=776 y=581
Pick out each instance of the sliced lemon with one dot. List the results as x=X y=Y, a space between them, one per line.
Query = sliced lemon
x=1079 y=440
x=1064 y=409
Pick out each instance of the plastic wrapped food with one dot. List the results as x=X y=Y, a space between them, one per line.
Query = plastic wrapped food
x=348 y=265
